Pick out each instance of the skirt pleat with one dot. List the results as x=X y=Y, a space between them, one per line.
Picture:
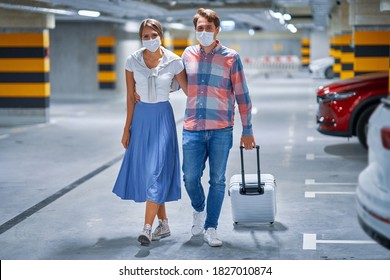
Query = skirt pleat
x=150 y=168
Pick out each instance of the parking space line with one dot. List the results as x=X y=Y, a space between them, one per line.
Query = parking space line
x=309 y=182
x=45 y=202
x=311 y=125
x=325 y=139
x=311 y=113
x=313 y=194
x=313 y=156
x=254 y=110
x=4 y=136
x=310 y=241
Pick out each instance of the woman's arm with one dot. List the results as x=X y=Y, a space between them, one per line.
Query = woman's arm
x=182 y=80
x=130 y=83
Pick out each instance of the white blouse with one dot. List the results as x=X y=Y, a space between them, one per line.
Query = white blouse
x=154 y=85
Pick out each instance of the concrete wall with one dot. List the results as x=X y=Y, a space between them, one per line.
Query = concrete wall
x=262 y=44
x=319 y=45
x=73 y=54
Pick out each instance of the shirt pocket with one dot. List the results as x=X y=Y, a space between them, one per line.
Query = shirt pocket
x=219 y=76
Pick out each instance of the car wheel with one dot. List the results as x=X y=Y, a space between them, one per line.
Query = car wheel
x=362 y=125
x=329 y=74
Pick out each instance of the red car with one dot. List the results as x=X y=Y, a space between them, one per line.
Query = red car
x=345 y=106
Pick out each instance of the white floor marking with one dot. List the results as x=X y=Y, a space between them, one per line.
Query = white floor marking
x=4 y=136
x=310 y=157
x=310 y=125
x=254 y=110
x=313 y=182
x=313 y=156
x=313 y=194
x=331 y=139
x=311 y=113
x=310 y=241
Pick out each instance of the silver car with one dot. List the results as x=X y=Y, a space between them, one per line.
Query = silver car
x=322 y=68
x=373 y=191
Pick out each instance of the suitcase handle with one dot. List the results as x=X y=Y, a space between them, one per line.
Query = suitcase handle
x=260 y=186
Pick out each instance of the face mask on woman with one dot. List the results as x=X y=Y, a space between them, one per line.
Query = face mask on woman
x=152 y=45
x=205 y=38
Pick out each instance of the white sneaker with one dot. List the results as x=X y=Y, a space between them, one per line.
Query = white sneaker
x=211 y=238
x=146 y=235
x=161 y=231
x=198 y=223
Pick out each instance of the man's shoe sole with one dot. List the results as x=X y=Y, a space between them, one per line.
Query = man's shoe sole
x=214 y=245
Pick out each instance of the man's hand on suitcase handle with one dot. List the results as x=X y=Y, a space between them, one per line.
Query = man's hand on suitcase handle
x=248 y=142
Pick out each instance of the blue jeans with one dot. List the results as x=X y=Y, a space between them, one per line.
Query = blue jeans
x=197 y=147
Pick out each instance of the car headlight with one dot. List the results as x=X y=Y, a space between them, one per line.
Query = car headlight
x=337 y=96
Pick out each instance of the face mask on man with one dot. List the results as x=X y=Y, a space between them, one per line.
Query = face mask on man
x=152 y=45
x=205 y=38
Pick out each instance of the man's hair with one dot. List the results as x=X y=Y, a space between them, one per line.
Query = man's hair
x=210 y=15
x=152 y=23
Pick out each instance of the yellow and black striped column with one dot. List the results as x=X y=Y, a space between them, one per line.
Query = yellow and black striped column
x=305 y=52
x=24 y=70
x=337 y=56
x=371 y=51
x=332 y=47
x=106 y=62
x=179 y=45
x=346 y=57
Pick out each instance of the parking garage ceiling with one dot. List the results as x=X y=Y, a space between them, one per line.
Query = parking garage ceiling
x=246 y=14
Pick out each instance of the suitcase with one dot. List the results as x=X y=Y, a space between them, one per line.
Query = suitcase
x=253 y=196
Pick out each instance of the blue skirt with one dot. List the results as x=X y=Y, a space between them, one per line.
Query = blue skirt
x=150 y=168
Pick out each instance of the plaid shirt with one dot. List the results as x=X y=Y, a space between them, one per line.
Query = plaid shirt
x=215 y=81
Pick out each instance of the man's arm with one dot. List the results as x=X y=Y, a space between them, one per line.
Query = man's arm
x=244 y=103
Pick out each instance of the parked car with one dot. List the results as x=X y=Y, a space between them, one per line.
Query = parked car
x=345 y=106
x=322 y=68
x=373 y=191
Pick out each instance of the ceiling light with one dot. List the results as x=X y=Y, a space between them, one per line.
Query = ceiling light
x=228 y=25
x=287 y=17
x=177 y=25
x=87 y=13
x=37 y=9
x=292 y=28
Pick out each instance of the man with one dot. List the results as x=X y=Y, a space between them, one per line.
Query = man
x=215 y=81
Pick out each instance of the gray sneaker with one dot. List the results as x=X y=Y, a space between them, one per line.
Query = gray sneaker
x=161 y=231
x=145 y=237
x=198 y=223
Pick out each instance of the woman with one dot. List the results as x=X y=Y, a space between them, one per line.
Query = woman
x=150 y=169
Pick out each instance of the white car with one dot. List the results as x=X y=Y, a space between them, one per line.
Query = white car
x=373 y=191
x=322 y=68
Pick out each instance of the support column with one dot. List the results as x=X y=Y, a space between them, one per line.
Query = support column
x=371 y=36
x=106 y=62
x=347 y=57
x=341 y=41
x=179 y=39
x=305 y=52
x=24 y=68
x=337 y=55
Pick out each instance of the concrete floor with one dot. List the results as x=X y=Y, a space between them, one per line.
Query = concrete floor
x=56 y=181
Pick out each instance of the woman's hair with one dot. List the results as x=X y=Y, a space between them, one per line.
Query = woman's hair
x=210 y=15
x=152 y=23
